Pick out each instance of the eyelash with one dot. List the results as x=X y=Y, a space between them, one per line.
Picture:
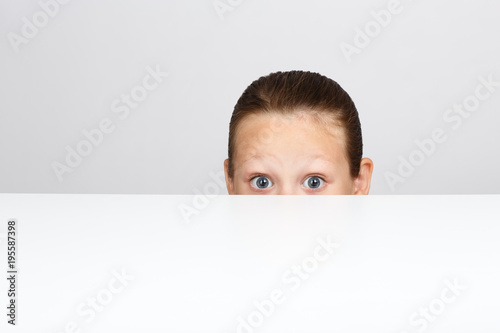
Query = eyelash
x=320 y=177
x=262 y=175
x=257 y=175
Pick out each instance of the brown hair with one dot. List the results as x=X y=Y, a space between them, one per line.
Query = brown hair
x=286 y=92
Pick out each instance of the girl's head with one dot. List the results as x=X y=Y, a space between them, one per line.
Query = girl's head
x=296 y=133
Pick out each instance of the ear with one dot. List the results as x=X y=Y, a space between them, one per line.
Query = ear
x=363 y=181
x=229 y=181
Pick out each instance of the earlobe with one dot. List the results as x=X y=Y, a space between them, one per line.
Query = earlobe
x=229 y=182
x=363 y=181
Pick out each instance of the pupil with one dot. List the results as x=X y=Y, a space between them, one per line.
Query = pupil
x=314 y=182
x=262 y=182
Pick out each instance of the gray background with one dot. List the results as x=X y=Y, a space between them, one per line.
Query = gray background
x=65 y=77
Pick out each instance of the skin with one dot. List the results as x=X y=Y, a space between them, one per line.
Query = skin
x=293 y=154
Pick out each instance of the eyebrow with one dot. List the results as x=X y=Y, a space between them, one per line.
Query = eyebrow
x=259 y=156
x=315 y=157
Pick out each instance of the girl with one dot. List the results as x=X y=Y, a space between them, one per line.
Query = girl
x=296 y=133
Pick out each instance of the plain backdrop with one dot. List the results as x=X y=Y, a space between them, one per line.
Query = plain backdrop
x=65 y=67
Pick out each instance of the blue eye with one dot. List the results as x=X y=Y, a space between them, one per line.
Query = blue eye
x=261 y=182
x=313 y=182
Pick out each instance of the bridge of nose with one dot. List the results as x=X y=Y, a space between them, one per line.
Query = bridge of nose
x=289 y=186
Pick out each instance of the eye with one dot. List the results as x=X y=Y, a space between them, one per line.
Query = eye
x=313 y=182
x=261 y=182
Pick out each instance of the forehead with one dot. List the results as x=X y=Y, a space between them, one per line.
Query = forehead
x=297 y=135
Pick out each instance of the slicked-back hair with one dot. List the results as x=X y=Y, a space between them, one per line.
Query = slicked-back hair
x=289 y=92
